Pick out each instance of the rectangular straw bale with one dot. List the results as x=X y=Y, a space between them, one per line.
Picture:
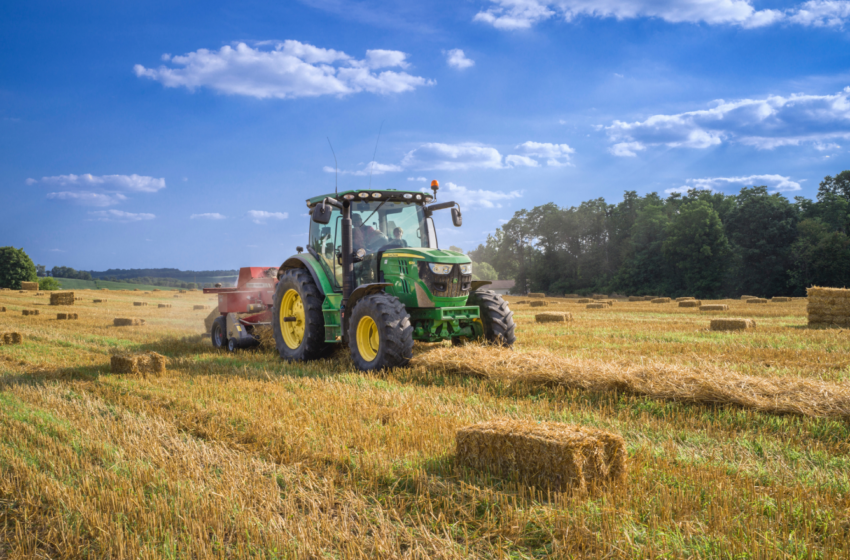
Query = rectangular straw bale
x=585 y=300
x=553 y=317
x=2 y=310
x=181 y=291
x=714 y=307
x=780 y=299
x=636 y=298
x=536 y=295
x=11 y=338
x=828 y=306
x=146 y=363
x=684 y=298
x=690 y=303
x=732 y=324
x=127 y=322
x=29 y=286
x=27 y=312
x=100 y=300
x=661 y=300
x=539 y=303
x=756 y=300
x=198 y=307
x=597 y=305
x=140 y=303
x=62 y=298
x=164 y=305
x=543 y=454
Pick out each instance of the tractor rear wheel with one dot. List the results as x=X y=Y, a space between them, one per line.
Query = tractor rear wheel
x=218 y=333
x=380 y=334
x=297 y=320
x=496 y=317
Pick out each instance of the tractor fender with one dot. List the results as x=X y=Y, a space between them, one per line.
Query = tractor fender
x=479 y=284
x=362 y=291
x=308 y=262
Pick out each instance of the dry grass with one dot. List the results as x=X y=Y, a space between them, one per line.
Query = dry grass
x=243 y=455
x=757 y=300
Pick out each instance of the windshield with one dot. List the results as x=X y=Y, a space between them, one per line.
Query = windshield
x=384 y=225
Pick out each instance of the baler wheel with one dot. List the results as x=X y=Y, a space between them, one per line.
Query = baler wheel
x=218 y=333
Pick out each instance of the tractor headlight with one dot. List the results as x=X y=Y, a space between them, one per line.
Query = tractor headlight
x=466 y=268
x=437 y=268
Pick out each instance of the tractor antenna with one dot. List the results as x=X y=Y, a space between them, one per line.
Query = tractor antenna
x=336 y=168
x=372 y=163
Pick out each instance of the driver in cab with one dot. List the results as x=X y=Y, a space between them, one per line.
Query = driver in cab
x=365 y=237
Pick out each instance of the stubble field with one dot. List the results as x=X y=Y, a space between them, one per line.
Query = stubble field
x=243 y=455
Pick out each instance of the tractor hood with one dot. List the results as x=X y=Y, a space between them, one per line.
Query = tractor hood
x=428 y=255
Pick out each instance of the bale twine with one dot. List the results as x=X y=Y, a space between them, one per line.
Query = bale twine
x=828 y=306
x=553 y=317
x=11 y=338
x=539 y=303
x=138 y=364
x=29 y=286
x=732 y=324
x=164 y=305
x=661 y=300
x=714 y=307
x=597 y=305
x=585 y=300
x=127 y=322
x=28 y=312
x=781 y=300
x=62 y=298
x=140 y=303
x=536 y=295
x=690 y=303
x=756 y=300
x=543 y=454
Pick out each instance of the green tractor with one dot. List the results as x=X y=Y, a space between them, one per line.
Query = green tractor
x=374 y=278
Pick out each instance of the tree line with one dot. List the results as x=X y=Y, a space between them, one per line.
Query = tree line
x=703 y=244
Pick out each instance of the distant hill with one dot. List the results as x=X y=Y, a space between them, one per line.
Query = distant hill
x=76 y=284
x=199 y=276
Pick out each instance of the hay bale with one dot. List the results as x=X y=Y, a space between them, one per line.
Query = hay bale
x=714 y=307
x=100 y=300
x=140 y=303
x=780 y=299
x=690 y=303
x=135 y=289
x=539 y=303
x=11 y=338
x=756 y=300
x=661 y=300
x=745 y=298
x=2 y=310
x=127 y=322
x=597 y=306
x=523 y=302
x=536 y=295
x=62 y=298
x=175 y=295
x=29 y=286
x=553 y=317
x=66 y=316
x=200 y=307
x=572 y=296
x=648 y=298
x=599 y=296
x=181 y=291
x=138 y=364
x=828 y=307
x=585 y=300
x=28 y=312
x=164 y=305
x=543 y=454
x=732 y=324
x=636 y=298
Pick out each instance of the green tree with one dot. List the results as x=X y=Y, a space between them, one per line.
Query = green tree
x=821 y=257
x=483 y=271
x=48 y=284
x=697 y=246
x=15 y=267
x=645 y=271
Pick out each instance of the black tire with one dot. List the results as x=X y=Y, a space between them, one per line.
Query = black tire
x=312 y=346
x=394 y=331
x=496 y=317
x=218 y=333
x=232 y=345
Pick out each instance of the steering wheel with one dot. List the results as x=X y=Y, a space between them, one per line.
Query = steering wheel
x=391 y=245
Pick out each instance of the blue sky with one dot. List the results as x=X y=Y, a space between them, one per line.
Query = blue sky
x=189 y=134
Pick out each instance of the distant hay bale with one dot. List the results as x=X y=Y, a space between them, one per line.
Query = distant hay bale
x=27 y=312
x=523 y=302
x=690 y=303
x=536 y=295
x=684 y=298
x=828 y=307
x=164 y=305
x=66 y=316
x=553 y=317
x=756 y=300
x=745 y=298
x=648 y=298
x=200 y=307
x=714 y=307
x=732 y=324
x=127 y=322
x=539 y=303
x=29 y=286
x=780 y=299
x=11 y=338
x=572 y=296
x=661 y=300
x=62 y=298
x=100 y=300
x=135 y=289
x=140 y=303
x=2 y=310
x=175 y=295
x=636 y=298
x=597 y=305
x=138 y=364
x=155 y=290
x=181 y=291
x=543 y=454
x=608 y=302
x=585 y=300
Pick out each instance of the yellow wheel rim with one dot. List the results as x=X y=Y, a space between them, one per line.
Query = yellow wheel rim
x=293 y=331
x=368 y=341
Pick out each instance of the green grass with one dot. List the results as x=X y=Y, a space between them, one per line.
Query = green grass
x=74 y=284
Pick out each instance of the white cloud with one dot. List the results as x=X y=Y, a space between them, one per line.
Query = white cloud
x=457 y=59
x=452 y=157
x=88 y=198
x=776 y=183
x=422 y=179
x=376 y=169
x=125 y=183
x=208 y=216
x=520 y=161
x=286 y=70
x=556 y=155
x=763 y=123
x=821 y=13
x=121 y=216
x=823 y=147
x=471 y=198
x=260 y=216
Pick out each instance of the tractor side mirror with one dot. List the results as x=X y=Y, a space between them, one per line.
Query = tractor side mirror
x=322 y=213
x=457 y=219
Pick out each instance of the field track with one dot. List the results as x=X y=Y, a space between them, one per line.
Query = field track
x=246 y=456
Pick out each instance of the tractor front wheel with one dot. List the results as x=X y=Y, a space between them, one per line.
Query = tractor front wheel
x=379 y=334
x=297 y=320
x=496 y=317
